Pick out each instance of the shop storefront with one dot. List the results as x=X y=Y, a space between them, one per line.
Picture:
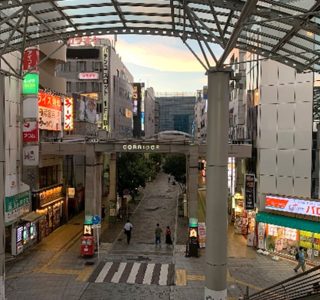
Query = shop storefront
x=244 y=220
x=49 y=202
x=300 y=226
x=25 y=233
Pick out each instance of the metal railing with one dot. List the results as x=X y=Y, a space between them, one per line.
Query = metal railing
x=301 y=286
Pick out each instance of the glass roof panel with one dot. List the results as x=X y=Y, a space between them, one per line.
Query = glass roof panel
x=284 y=27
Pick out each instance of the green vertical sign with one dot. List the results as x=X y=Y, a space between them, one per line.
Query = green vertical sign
x=30 y=84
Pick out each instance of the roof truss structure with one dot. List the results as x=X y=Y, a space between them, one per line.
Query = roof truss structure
x=284 y=30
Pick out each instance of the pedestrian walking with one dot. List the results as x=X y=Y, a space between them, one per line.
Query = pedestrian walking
x=168 y=236
x=300 y=257
x=158 y=233
x=169 y=178
x=127 y=230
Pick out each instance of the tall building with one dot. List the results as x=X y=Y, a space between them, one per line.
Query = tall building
x=275 y=107
x=200 y=112
x=149 y=113
x=96 y=74
x=176 y=112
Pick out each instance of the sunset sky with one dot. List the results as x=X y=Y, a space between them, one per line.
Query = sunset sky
x=163 y=63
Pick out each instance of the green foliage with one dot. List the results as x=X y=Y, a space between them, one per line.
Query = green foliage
x=134 y=169
x=175 y=165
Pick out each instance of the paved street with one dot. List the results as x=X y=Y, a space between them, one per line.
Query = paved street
x=54 y=270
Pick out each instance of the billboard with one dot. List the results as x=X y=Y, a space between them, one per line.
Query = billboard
x=293 y=205
x=49 y=111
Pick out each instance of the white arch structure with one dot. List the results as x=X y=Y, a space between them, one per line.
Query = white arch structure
x=284 y=30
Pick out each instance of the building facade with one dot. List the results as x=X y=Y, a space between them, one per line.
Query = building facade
x=96 y=75
x=149 y=113
x=176 y=113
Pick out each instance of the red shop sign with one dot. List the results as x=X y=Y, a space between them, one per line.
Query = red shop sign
x=30 y=131
x=30 y=59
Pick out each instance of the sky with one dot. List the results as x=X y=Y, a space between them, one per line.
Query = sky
x=163 y=63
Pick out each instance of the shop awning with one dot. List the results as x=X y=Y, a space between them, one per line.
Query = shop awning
x=31 y=216
x=290 y=222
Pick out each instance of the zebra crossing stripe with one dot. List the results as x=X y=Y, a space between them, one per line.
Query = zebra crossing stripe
x=133 y=273
x=103 y=272
x=117 y=275
x=148 y=274
x=163 y=274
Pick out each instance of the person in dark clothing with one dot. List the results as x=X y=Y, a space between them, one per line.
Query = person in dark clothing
x=158 y=233
x=168 y=236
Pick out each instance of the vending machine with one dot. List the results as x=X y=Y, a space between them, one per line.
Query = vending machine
x=193 y=238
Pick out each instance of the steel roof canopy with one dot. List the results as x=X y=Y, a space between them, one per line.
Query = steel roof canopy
x=284 y=30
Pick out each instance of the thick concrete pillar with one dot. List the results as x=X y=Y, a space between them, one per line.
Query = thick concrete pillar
x=93 y=182
x=217 y=184
x=112 y=197
x=192 y=183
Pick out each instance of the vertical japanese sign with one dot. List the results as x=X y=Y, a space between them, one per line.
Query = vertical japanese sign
x=105 y=89
x=30 y=59
x=68 y=114
x=249 y=191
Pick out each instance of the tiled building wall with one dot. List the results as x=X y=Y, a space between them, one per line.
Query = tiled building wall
x=284 y=131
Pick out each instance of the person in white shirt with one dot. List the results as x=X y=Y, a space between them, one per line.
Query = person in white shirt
x=127 y=230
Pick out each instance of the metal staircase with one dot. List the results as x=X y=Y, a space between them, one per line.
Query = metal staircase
x=305 y=285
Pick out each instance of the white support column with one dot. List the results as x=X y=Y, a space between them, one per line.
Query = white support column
x=192 y=183
x=2 y=185
x=217 y=184
x=93 y=182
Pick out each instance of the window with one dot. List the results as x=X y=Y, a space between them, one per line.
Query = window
x=81 y=66
x=69 y=87
x=48 y=176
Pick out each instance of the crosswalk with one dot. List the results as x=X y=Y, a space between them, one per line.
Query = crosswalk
x=134 y=273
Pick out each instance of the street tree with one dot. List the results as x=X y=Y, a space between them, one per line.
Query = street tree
x=175 y=165
x=134 y=169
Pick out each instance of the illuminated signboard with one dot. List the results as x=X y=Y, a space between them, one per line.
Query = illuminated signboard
x=30 y=59
x=68 y=114
x=136 y=97
x=293 y=205
x=142 y=120
x=30 y=84
x=49 y=111
x=88 y=76
x=105 y=90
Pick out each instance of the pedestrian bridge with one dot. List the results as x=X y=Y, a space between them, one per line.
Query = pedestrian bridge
x=70 y=147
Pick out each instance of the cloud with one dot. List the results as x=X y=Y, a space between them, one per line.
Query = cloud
x=161 y=53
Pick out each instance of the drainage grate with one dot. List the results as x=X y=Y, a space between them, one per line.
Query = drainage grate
x=89 y=263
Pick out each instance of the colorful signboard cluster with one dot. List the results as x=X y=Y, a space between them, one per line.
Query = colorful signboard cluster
x=293 y=205
x=30 y=89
